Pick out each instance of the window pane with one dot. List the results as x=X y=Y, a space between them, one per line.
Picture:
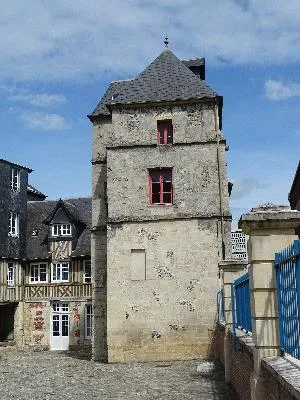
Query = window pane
x=65 y=307
x=167 y=197
x=88 y=321
x=55 y=272
x=155 y=198
x=55 y=307
x=170 y=135
x=87 y=272
x=155 y=187
x=55 y=325
x=167 y=186
x=32 y=271
x=43 y=273
x=167 y=175
x=65 y=274
x=155 y=176
x=65 y=325
x=161 y=136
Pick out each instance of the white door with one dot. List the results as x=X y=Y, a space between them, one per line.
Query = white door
x=59 y=336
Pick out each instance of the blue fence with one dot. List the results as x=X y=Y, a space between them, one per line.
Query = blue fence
x=287 y=263
x=241 y=309
x=221 y=306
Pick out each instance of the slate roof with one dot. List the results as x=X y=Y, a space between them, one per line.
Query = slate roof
x=194 y=62
x=39 y=211
x=31 y=189
x=165 y=79
x=29 y=170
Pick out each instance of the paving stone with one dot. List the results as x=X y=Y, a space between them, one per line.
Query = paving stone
x=62 y=376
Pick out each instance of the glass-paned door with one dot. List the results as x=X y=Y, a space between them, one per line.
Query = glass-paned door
x=60 y=326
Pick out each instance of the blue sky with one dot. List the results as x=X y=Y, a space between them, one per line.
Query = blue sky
x=58 y=57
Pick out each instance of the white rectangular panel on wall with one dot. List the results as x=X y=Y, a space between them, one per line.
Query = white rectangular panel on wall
x=138 y=265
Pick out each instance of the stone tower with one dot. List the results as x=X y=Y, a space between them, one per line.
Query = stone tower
x=161 y=219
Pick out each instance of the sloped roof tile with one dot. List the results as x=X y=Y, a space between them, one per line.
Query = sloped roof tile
x=165 y=79
x=38 y=211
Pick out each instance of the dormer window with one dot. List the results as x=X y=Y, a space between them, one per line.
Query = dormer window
x=165 y=132
x=61 y=230
x=15 y=179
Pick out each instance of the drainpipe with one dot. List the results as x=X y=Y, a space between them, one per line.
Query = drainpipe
x=219 y=175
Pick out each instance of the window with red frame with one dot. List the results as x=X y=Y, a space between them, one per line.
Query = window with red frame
x=165 y=132
x=161 y=188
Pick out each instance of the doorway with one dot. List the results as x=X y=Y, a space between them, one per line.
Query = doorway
x=7 y=321
x=60 y=323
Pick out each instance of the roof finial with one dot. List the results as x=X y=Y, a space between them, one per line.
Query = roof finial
x=166 y=42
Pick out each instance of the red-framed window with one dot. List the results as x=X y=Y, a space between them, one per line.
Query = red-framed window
x=165 y=132
x=161 y=186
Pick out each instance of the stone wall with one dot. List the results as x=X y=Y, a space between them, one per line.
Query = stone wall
x=37 y=325
x=168 y=310
x=242 y=367
x=154 y=292
x=277 y=388
x=280 y=377
x=195 y=181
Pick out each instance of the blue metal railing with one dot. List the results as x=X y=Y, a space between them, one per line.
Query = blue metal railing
x=221 y=306
x=287 y=264
x=241 y=309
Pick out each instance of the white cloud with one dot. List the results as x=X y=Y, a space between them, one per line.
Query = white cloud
x=43 y=121
x=277 y=90
x=244 y=187
x=39 y=100
x=61 y=40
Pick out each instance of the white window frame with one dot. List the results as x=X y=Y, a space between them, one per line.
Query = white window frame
x=10 y=275
x=61 y=230
x=59 y=267
x=36 y=278
x=15 y=179
x=88 y=329
x=13 y=224
x=87 y=278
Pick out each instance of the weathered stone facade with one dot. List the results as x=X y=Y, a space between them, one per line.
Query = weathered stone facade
x=156 y=266
x=37 y=327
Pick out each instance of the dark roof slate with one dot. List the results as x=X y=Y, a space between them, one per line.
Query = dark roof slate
x=33 y=190
x=29 y=170
x=39 y=211
x=194 y=62
x=165 y=79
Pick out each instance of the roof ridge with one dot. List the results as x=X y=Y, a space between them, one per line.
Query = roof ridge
x=65 y=200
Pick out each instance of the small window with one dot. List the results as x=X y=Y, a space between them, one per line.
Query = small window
x=61 y=230
x=165 y=132
x=87 y=275
x=10 y=275
x=60 y=272
x=161 y=187
x=38 y=273
x=88 y=320
x=13 y=224
x=15 y=179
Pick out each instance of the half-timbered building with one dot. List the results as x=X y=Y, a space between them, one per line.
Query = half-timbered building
x=57 y=275
x=45 y=267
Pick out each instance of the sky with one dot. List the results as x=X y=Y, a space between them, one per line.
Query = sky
x=58 y=57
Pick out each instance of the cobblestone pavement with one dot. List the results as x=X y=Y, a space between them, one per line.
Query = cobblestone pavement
x=47 y=376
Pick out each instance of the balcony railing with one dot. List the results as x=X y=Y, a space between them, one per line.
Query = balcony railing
x=65 y=290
